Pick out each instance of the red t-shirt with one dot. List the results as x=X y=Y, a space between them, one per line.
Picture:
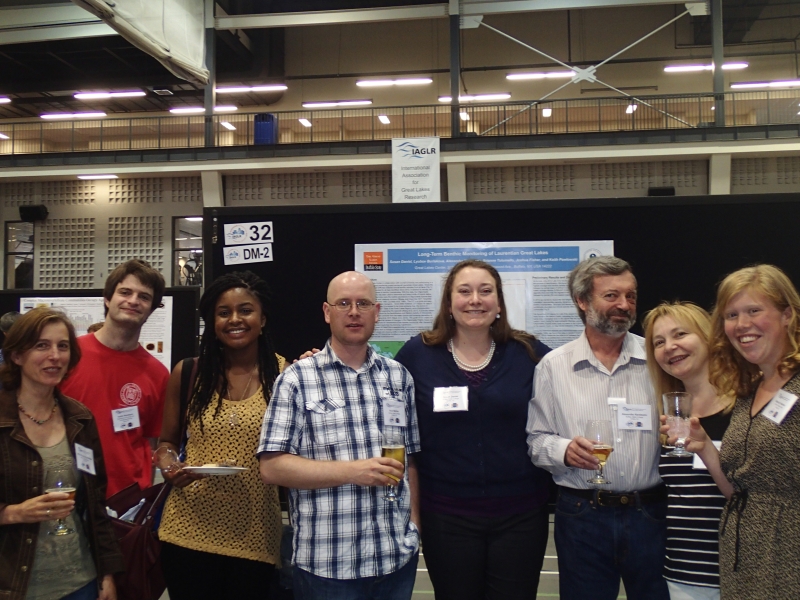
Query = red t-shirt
x=105 y=380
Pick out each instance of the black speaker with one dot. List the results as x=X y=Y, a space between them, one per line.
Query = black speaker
x=33 y=212
x=661 y=191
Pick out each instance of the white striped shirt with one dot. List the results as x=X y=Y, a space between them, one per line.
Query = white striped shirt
x=571 y=386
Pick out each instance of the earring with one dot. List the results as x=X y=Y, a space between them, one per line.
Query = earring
x=451 y=316
x=497 y=316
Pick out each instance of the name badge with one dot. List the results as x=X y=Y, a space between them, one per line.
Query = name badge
x=697 y=462
x=635 y=416
x=84 y=459
x=394 y=413
x=780 y=405
x=125 y=418
x=450 y=399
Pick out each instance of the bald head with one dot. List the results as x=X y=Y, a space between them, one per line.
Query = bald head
x=349 y=280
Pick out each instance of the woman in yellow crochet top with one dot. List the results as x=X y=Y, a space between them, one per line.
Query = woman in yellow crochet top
x=221 y=533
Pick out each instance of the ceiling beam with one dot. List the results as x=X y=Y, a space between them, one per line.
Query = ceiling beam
x=423 y=11
x=21 y=25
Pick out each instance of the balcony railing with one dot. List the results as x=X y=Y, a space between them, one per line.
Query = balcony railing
x=363 y=124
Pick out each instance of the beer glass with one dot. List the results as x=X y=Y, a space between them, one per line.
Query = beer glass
x=600 y=434
x=60 y=480
x=678 y=409
x=393 y=446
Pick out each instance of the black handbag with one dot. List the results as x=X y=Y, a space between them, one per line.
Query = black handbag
x=143 y=578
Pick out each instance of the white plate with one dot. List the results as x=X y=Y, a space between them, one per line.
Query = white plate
x=215 y=470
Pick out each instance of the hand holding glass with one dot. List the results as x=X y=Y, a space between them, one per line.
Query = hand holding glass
x=393 y=446
x=61 y=481
x=678 y=409
x=600 y=434
x=166 y=459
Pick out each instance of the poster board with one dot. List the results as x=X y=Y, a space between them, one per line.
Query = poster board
x=176 y=329
x=679 y=247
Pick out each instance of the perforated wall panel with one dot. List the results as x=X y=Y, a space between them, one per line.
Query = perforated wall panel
x=187 y=189
x=623 y=176
x=18 y=193
x=366 y=184
x=58 y=193
x=135 y=191
x=486 y=181
x=136 y=237
x=749 y=172
x=788 y=171
x=244 y=189
x=66 y=253
x=298 y=186
x=547 y=179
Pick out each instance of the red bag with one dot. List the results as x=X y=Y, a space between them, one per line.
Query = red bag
x=143 y=578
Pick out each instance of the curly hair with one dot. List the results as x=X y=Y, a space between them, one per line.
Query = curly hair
x=729 y=371
x=444 y=327
x=212 y=360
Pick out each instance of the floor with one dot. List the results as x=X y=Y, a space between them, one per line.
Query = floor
x=548 y=584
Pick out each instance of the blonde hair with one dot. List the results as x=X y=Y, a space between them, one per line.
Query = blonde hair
x=728 y=370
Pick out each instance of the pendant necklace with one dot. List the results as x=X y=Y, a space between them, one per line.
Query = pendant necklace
x=39 y=421
x=471 y=368
x=234 y=418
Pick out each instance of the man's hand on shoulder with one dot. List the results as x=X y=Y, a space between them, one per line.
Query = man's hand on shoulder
x=579 y=454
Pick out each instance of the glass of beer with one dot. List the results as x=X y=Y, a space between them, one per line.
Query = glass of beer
x=393 y=446
x=678 y=409
x=61 y=481
x=600 y=434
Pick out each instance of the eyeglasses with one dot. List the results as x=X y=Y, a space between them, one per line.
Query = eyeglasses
x=345 y=305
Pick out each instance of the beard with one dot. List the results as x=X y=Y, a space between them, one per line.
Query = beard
x=604 y=324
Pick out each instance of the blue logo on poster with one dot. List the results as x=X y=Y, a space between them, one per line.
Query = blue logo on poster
x=236 y=234
x=232 y=255
x=409 y=150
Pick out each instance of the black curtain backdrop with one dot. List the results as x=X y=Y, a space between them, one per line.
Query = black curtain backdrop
x=679 y=247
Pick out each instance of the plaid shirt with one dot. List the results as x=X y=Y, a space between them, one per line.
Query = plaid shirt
x=322 y=409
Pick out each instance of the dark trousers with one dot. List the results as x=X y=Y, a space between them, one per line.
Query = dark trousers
x=194 y=575
x=485 y=558
x=597 y=546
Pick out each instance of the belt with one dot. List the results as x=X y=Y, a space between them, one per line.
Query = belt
x=604 y=498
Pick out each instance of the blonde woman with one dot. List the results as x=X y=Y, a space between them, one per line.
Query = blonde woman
x=676 y=340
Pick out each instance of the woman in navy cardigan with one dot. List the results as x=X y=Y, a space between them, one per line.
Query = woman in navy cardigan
x=483 y=503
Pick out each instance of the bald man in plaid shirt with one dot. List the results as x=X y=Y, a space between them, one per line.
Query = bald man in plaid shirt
x=321 y=438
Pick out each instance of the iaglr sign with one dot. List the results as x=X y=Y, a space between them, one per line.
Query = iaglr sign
x=247 y=254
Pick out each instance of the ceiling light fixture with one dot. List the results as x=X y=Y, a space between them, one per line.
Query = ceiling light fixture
x=3 y=136
x=390 y=82
x=5 y=100
x=86 y=115
x=106 y=95
x=335 y=103
x=189 y=110
x=547 y=113
x=477 y=98
x=273 y=87
x=305 y=122
x=97 y=177
x=464 y=115
x=384 y=119
x=227 y=126
x=695 y=68
x=194 y=218
x=742 y=85
x=631 y=109
x=552 y=75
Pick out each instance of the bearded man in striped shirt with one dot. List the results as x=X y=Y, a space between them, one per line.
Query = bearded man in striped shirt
x=616 y=530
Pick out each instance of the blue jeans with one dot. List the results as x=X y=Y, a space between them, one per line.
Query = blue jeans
x=398 y=585
x=598 y=545
x=87 y=592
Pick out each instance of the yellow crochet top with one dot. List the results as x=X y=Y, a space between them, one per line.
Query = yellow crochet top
x=232 y=515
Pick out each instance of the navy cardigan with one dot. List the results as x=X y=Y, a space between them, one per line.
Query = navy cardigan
x=483 y=452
